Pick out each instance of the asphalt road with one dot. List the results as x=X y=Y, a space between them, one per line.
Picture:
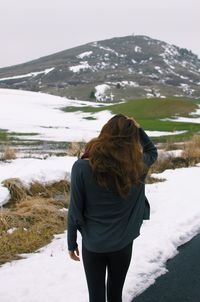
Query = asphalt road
x=182 y=282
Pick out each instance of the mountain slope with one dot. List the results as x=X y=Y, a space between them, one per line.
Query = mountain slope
x=113 y=69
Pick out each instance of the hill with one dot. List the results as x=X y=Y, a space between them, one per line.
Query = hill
x=111 y=70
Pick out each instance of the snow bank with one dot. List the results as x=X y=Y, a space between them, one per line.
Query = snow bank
x=4 y=195
x=175 y=219
x=31 y=170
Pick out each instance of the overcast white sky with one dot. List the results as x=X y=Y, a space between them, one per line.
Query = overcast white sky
x=30 y=29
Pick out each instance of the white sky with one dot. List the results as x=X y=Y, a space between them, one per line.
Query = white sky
x=30 y=29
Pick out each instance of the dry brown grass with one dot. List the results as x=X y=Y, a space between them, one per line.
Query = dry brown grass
x=36 y=214
x=75 y=148
x=8 y=153
x=191 y=150
x=58 y=191
x=169 y=162
x=17 y=189
x=169 y=145
x=151 y=180
x=36 y=220
x=189 y=156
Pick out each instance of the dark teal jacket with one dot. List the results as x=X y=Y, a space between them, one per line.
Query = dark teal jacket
x=106 y=221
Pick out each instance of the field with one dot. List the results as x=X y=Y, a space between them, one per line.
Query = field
x=155 y=114
x=151 y=114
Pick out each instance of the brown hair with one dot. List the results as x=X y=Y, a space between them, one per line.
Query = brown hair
x=116 y=155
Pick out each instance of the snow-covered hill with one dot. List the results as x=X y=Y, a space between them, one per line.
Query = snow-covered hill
x=131 y=67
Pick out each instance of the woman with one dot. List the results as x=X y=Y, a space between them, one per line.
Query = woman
x=108 y=204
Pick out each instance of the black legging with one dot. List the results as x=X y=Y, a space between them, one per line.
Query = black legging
x=117 y=264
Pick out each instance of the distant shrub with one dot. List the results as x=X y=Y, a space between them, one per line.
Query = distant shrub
x=170 y=145
x=189 y=156
x=191 y=149
x=169 y=161
x=92 y=95
x=8 y=153
x=185 y=52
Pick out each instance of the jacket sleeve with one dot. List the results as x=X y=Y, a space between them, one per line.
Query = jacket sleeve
x=150 y=153
x=76 y=207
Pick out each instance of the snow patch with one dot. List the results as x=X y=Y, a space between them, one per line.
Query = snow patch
x=83 y=66
x=195 y=117
x=138 y=49
x=11 y=230
x=100 y=92
x=31 y=74
x=85 y=54
x=4 y=195
x=186 y=88
x=30 y=170
x=102 y=65
x=106 y=48
x=128 y=83
x=158 y=69
x=170 y=50
x=163 y=133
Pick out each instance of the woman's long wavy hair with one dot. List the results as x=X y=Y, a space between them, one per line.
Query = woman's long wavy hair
x=116 y=155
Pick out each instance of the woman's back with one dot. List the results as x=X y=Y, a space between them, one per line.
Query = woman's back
x=107 y=221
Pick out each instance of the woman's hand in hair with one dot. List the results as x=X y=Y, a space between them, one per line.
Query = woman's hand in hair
x=74 y=255
x=135 y=123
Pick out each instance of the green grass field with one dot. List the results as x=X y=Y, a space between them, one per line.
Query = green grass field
x=149 y=112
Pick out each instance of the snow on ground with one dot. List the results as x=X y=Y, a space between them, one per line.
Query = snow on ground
x=124 y=83
x=85 y=54
x=174 y=153
x=50 y=276
x=83 y=66
x=31 y=74
x=195 y=117
x=29 y=170
x=160 y=133
x=4 y=195
x=105 y=48
x=129 y=83
x=100 y=91
x=35 y=112
x=31 y=112
x=138 y=49
x=158 y=69
x=42 y=170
